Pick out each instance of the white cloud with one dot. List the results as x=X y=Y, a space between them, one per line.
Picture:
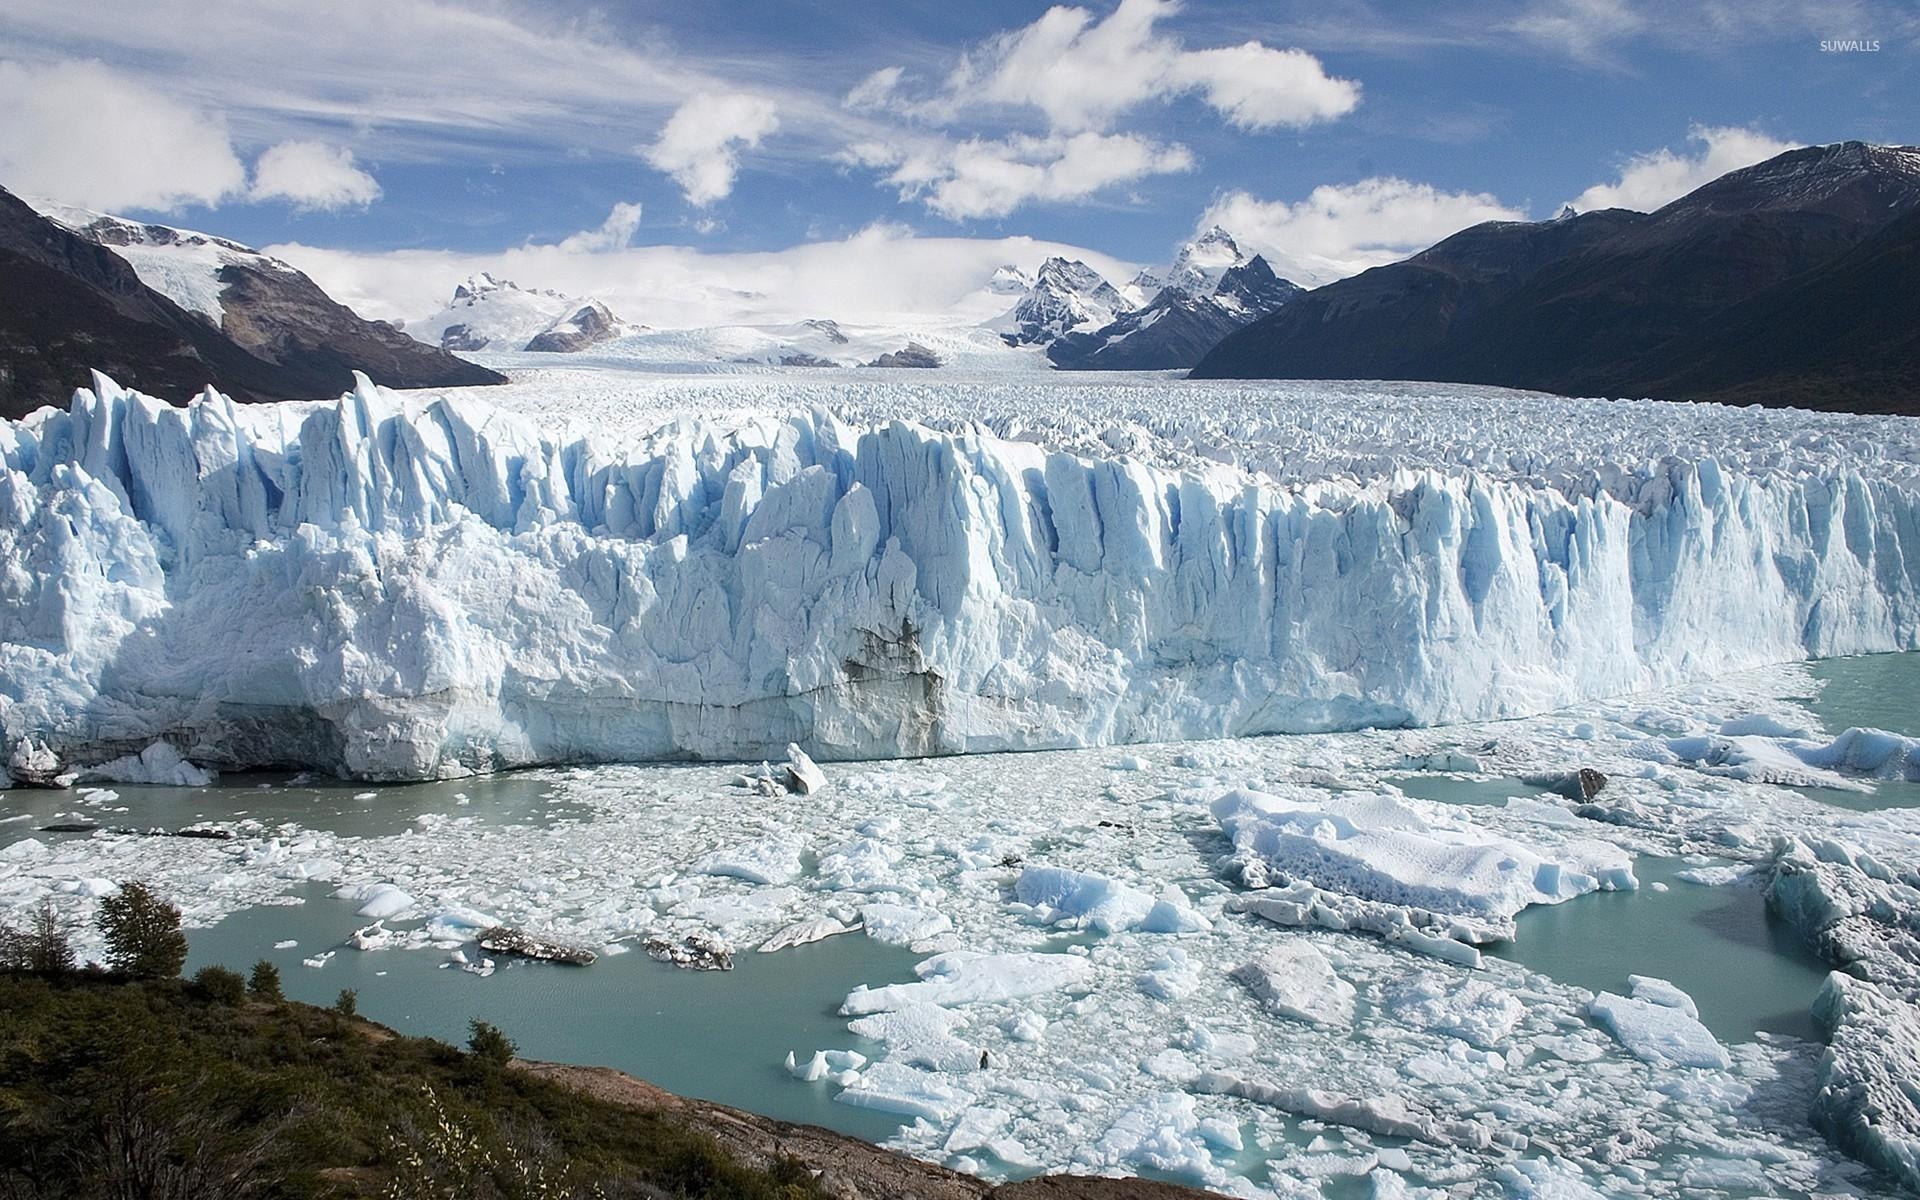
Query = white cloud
x=876 y=90
x=313 y=175
x=1343 y=229
x=1584 y=30
x=615 y=233
x=981 y=178
x=1082 y=74
x=1651 y=180
x=81 y=133
x=876 y=275
x=699 y=146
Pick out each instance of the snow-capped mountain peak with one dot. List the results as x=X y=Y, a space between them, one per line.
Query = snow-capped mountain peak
x=1009 y=280
x=1066 y=294
x=495 y=314
x=1201 y=263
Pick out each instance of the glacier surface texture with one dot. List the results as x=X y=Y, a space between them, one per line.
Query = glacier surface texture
x=396 y=586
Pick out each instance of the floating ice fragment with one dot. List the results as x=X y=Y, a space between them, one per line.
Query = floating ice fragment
x=768 y=860
x=967 y=977
x=160 y=763
x=1059 y=896
x=902 y=924
x=802 y=932
x=1293 y=979
x=1660 y=991
x=379 y=901
x=1656 y=1033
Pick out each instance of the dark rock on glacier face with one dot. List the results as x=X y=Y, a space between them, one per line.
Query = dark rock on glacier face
x=588 y=325
x=912 y=355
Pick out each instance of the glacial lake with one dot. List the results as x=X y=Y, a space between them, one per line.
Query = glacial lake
x=723 y=1036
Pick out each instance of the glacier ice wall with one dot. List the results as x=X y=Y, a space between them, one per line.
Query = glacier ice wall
x=389 y=588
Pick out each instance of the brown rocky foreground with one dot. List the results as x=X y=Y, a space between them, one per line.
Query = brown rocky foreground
x=847 y=1168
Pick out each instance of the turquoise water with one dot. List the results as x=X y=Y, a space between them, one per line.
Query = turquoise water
x=329 y=805
x=1872 y=691
x=718 y=1035
x=1746 y=970
x=1452 y=789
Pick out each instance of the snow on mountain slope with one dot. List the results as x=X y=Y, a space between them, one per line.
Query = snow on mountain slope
x=759 y=349
x=1066 y=294
x=490 y=313
x=180 y=264
x=402 y=587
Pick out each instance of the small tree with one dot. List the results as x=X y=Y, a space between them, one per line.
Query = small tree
x=489 y=1044
x=42 y=947
x=347 y=1004
x=219 y=985
x=264 y=983
x=143 y=933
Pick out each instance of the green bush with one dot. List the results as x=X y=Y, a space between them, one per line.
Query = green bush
x=489 y=1045
x=137 y=1088
x=347 y=1003
x=218 y=985
x=264 y=982
x=143 y=933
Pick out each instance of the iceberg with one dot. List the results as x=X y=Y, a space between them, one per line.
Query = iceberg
x=392 y=586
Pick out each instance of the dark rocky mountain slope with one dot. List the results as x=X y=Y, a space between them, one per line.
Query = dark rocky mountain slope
x=1624 y=303
x=70 y=305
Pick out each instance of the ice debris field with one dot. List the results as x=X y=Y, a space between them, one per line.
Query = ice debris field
x=1257 y=964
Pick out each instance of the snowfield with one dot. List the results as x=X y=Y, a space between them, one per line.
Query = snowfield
x=398 y=586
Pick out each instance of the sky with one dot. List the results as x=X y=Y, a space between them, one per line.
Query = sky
x=757 y=148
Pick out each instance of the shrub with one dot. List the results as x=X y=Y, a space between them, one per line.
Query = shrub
x=219 y=985
x=264 y=982
x=42 y=947
x=143 y=933
x=347 y=1003
x=489 y=1045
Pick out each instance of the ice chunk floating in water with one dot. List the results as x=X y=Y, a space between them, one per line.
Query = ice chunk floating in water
x=446 y=588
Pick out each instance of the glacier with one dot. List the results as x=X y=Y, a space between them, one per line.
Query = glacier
x=394 y=586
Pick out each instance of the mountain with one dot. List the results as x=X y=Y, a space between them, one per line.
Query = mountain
x=488 y=313
x=1611 y=302
x=1210 y=290
x=1842 y=336
x=589 y=325
x=1065 y=294
x=172 y=312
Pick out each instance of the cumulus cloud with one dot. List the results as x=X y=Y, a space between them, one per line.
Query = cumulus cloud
x=615 y=233
x=876 y=275
x=700 y=144
x=313 y=175
x=78 y=132
x=1343 y=229
x=1082 y=73
x=1651 y=180
x=991 y=178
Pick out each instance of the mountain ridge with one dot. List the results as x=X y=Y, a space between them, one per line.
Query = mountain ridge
x=1600 y=302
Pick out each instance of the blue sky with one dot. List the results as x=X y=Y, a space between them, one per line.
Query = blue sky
x=470 y=128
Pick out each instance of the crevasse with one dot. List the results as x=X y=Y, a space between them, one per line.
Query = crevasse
x=383 y=587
